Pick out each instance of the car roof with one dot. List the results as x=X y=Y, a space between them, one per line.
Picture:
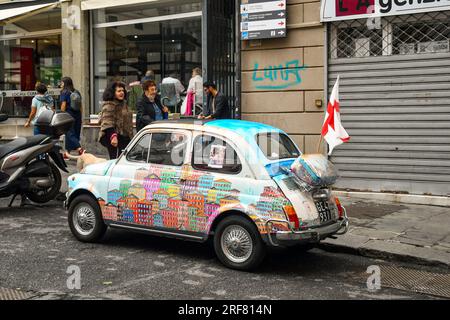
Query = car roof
x=244 y=128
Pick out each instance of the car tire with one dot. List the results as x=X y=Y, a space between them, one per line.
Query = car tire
x=38 y=196
x=238 y=243
x=85 y=219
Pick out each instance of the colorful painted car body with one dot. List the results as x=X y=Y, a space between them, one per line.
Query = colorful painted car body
x=185 y=178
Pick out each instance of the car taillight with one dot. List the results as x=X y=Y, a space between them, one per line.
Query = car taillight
x=339 y=207
x=292 y=216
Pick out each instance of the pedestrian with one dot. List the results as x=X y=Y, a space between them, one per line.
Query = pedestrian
x=179 y=88
x=149 y=107
x=41 y=102
x=217 y=106
x=70 y=100
x=149 y=75
x=116 y=121
x=195 y=85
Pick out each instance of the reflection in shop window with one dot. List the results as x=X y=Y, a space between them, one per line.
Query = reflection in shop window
x=126 y=51
x=23 y=63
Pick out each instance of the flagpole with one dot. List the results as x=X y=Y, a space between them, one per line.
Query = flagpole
x=320 y=142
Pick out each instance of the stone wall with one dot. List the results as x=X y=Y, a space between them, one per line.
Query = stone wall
x=283 y=79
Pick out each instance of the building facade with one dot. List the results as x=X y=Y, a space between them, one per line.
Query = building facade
x=392 y=59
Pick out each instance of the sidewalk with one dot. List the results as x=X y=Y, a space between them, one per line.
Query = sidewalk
x=388 y=230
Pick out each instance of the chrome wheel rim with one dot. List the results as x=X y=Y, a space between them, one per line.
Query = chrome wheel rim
x=236 y=243
x=84 y=219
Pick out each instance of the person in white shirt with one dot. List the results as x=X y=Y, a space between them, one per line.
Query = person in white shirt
x=196 y=85
x=179 y=88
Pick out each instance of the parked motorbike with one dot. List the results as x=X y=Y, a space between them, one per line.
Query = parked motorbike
x=29 y=165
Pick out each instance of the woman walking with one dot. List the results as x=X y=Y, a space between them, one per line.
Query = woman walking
x=116 y=121
x=70 y=99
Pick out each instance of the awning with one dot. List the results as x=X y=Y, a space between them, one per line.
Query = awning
x=14 y=14
x=100 y=4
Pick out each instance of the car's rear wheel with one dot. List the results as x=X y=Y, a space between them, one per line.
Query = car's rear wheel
x=85 y=219
x=238 y=244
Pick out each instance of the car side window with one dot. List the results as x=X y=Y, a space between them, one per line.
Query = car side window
x=168 y=148
x=214 y=154
x=139 y=152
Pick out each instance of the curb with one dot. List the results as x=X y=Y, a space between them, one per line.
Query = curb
x=380 y=254
x=440 y=201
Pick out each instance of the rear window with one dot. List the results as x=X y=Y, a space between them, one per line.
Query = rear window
x=277 y=146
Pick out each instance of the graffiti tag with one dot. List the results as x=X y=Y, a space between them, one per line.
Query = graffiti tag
x=279 y=76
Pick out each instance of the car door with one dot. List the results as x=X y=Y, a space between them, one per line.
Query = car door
x=163 y=185
x=126 y=192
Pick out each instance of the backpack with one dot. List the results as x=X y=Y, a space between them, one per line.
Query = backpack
x=75 y=100
x=45 y=106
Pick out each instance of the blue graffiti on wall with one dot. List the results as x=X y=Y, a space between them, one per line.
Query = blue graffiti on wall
x=288 y=74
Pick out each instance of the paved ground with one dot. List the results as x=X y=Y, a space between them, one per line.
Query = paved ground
x=37 y=248
x=415 y=233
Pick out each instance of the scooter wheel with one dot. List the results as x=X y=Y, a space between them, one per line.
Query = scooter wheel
x=44 y=196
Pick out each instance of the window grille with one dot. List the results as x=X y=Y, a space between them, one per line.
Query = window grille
x=399 y=35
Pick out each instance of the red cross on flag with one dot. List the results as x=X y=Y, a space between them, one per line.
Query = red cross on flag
x=332 y=130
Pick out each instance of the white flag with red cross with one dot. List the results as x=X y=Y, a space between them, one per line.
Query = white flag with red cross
x=332 y=130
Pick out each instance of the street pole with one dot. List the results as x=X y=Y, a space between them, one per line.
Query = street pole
x=237 y=60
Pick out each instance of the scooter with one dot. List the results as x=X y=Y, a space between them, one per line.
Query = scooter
x=29 y=165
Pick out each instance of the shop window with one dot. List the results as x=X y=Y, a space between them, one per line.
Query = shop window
x=23 y=63
x=421 y=37
x=358 y=42
x=395 y=35
x=125 y=50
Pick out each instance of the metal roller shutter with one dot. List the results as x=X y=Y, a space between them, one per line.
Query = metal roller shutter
x=396 y=108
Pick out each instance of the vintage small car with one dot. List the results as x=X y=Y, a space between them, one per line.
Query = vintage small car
x=225 y=180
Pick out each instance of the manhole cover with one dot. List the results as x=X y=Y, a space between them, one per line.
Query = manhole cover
x=11 y=294
x=436 y=284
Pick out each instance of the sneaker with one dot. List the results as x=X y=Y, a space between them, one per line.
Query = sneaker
x=81 y=151
x=65 y=156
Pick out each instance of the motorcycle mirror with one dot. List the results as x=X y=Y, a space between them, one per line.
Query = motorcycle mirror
x=3 y=117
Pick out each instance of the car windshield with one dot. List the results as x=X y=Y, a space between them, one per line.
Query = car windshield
x=276 y=146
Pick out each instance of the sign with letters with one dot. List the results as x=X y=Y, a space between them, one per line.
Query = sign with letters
x=336 y=10
x=262 y=19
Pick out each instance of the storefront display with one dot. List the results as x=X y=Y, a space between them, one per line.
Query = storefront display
x=30 y=52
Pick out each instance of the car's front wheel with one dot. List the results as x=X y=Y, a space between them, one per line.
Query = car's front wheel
x=85 y=219
x=238 y=244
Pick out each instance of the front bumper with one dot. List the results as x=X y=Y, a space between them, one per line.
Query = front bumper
x=311 y=235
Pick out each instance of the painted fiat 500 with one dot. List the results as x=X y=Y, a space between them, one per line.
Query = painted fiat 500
x=245 y=185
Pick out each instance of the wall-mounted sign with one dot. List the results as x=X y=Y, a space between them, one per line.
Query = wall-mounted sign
x=336 y=10
x=262 y=19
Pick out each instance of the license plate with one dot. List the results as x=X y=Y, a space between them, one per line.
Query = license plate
x=324 y=211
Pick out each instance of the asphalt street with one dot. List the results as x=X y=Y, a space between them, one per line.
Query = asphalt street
x=37 y=248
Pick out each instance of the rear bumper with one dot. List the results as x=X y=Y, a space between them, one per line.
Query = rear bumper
x=312 y=235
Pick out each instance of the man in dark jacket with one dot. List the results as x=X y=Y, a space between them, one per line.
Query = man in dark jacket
x=217 y=106
x=149 y=107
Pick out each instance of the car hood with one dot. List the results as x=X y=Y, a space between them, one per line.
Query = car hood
x=98 y=169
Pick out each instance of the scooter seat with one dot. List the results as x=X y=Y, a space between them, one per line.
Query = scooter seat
x=20 y=144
